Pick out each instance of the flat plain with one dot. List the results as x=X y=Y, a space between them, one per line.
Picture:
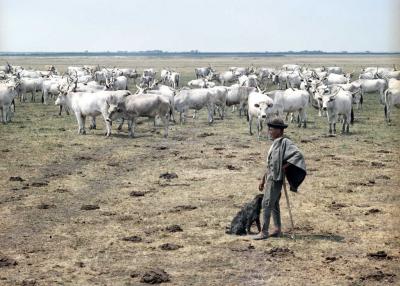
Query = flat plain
x=90 y=210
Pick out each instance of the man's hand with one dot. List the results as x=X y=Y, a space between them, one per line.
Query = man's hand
x=284 y=167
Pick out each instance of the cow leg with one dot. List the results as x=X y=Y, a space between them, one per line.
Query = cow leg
x=59 y=113
x=303 y=117
x=131 y=127
x=81 y=123
x=33 y=96
x=165 y=120
x=334 y=128
x=3 y=114
x=344 y=124
x=107 y=122
x=194 y=114
x=93 y=123
x=221 y=112
x=120 y=125
x=210 y=115
x=181 y=117
x=258 y=128
x=300 y=119
x=250 y=122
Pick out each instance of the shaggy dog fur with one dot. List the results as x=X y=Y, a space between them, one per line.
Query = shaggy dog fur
x=249 y=214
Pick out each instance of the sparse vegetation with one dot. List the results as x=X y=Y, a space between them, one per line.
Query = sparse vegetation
x=86 y=210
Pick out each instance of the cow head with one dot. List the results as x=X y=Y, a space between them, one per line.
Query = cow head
x=327 y=99
x=275 y=78
x=264 y=109
x=356 y=96
x=115 y=108
x=61 y=99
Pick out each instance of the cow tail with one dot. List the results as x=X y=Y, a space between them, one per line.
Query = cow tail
x=248 y=117
x=386 y=102
x=386 y=96
x=352 y=116
x=13 y=103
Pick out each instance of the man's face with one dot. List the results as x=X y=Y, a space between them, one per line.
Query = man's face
x=275 y=132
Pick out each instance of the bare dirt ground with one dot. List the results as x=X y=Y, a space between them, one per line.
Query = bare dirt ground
x=87 y=210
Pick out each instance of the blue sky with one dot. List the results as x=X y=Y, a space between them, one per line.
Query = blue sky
x=208 y=25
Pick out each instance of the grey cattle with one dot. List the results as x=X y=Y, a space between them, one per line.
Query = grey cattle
x=238 y=95
x=338 y=103
x=203 y=72
x=194 y=99
x=392 y=99
x=7 y=94
x=139 y=105
x=85 y=104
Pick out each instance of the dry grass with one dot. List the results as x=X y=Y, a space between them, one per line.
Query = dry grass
x=54 y=241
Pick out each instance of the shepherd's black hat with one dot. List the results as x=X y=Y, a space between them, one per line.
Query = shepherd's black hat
x=277 y=123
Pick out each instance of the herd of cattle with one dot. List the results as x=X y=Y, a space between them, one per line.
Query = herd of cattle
x=93 y=91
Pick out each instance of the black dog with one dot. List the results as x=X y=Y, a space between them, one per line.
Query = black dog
x=249 y=214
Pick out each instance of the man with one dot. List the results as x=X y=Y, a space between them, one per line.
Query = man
x=283 y=158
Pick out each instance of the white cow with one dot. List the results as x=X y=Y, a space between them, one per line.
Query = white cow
x=139 y=105
x=150 y=72
x=194 y=99
x=338 y=103
x=367 y=75
x=203 y=72
x=29 y=74
x=128 y=72
x=218 y=96
x=392 y=99
x=335 y=70
x=117 y=83
x=224 y=78
x=167 y=92
x=173 y=79
x=291 y=67
x=239 y=71
x=198 y=83
x=248 y=80
x=8 y=92
x=372 y=86
x=100 y=77
x=355 y=90
x=50 y=87
x=89 y=104
x=238 y=95
x=164 y=75
x=336 y=79
x=259 y=107
x=292 y=100
x=394 y=83
x=27 y=85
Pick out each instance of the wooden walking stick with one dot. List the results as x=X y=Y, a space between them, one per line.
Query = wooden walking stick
x=288 y=204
